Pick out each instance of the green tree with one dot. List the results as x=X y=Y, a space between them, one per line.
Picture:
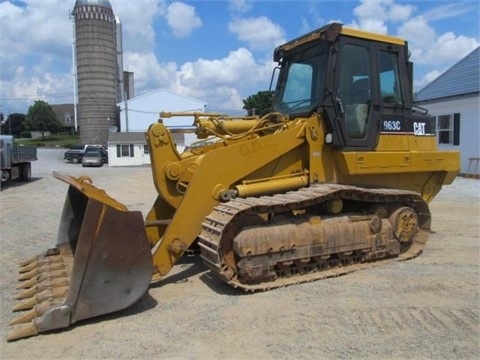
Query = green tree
x=259 y=103
x=41 y=117
x=14 y=124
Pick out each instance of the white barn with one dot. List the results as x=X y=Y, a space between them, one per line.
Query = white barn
x=127 y=149
x=454 y=99
x=128 y=146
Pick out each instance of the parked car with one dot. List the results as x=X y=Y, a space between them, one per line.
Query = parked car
x=75 y=153
x=92 y=158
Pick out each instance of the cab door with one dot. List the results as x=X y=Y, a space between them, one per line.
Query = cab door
x=357 y=94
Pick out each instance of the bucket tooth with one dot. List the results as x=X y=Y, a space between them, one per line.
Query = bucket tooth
x=41 y=297
x=43 y=277
x=29 y=261
x=41 y=287
x=37 y=263
x=22 y=331
x=26 y=304
x=27 y=293
x=25 y=317
x=47 y=255
x=27 y=284
x=29 y=267
x=40 y=270
x=28 y=275
x=37 y=311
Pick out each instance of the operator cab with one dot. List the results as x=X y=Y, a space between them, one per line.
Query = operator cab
x=359 y=81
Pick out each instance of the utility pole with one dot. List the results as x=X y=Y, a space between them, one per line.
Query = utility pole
x=126 y=112
x=74 y=73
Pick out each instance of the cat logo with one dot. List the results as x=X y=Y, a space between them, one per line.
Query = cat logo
x=419 y=128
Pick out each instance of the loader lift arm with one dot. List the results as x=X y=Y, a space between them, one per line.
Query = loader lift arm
x=204 y=180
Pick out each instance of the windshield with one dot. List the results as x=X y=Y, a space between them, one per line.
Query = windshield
x=92 y=154
x=301 y=83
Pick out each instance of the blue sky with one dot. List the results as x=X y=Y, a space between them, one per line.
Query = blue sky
x=216 y=51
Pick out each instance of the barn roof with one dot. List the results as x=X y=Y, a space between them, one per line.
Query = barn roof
x=126 y=138
x=461 y=79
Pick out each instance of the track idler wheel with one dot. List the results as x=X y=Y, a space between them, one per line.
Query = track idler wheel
x=404 y=222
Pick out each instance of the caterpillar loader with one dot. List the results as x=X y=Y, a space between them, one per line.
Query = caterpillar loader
x=336 y=178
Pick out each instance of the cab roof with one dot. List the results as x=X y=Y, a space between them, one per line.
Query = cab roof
x=330 y=32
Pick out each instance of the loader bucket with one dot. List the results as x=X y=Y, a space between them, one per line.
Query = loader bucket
x=100 y=264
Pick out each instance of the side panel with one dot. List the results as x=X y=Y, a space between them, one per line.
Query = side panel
x=21 y=154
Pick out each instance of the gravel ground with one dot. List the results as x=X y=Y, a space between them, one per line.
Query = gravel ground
x=425 y=308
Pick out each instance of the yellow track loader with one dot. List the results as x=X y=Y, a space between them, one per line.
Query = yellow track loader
x=336 y=178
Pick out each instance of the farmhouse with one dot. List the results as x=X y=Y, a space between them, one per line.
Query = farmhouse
x=128 y=146
x=454 y=99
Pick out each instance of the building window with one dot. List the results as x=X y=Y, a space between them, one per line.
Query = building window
x=146 y=149
x=125 y=151
x=448 y=129
x=67 y=118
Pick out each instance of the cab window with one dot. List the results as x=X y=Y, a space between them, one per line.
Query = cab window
x=355 y=89
x=390 y=91
x=299 y=86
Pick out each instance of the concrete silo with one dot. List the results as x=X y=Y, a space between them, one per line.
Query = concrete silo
x=96 y=69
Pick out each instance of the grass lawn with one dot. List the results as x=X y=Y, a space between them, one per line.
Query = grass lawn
x=65 y=141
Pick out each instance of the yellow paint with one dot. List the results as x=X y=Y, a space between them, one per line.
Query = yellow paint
x=372 y=36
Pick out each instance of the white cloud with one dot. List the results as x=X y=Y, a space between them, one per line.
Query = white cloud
x=399 y=13
x=373 y=14
x=418 y=33
x=258 y=33
x=223 y=82
x=182 y=19
x=26 y=88
x=425 y=80
x=35 y=53
x=38 y=28
x=148 y=73
x=373 y=25
x=446 y=11
x=431 y=48
x=240 y=6
x=137 y=22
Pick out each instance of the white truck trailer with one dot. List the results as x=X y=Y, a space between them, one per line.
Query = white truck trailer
x=16 y=160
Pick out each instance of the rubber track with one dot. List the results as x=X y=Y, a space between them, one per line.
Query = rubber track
x=224 y=214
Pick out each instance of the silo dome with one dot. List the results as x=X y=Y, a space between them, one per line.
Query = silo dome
x=102 y=3
x=96 y=63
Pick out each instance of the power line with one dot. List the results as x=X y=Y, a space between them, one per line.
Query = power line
x=29 y=97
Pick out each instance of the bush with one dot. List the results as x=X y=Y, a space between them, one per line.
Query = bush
x=25 y=135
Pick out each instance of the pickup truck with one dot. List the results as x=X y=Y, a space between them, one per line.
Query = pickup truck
x=76 y=152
